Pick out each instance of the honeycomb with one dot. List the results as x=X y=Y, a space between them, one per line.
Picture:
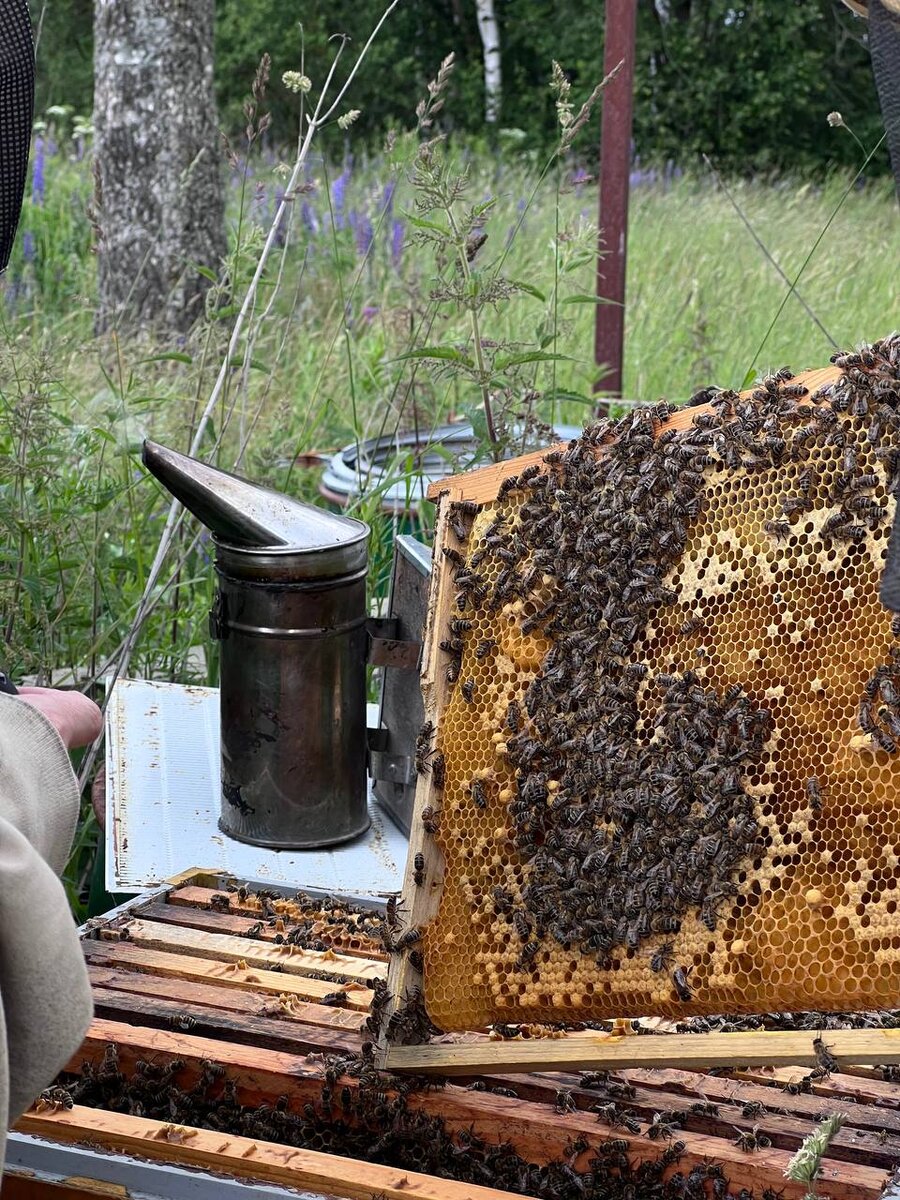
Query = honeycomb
x=664 y=772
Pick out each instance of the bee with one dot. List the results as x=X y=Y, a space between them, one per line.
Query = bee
x=514 y=716
x=680 y=981
x=429 y=820
x=565 y=1102
x=419 y=869
x=409 y=938
x=423 y=747
x=334 y=999
x=509 y=484
x=467 y=688
x=753 y=1109
x=705 y=1108
x=527 y=955
x=814 y=794
x=777 y=529
x=751 y=1139
x=220 y=901
x=660 y=1128
x=479 y=795
x=452 y=672
x=182 y=1021
x=824 y=1058
x=484 y=647
x=661 y=958
x=439 y=771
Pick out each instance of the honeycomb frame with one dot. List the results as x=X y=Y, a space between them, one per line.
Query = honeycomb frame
x=812 y=921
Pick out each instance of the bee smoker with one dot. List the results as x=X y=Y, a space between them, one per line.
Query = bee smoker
x=290 y=616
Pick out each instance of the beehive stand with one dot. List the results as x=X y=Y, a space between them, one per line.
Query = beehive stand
x=773 y=605
x=189 y=986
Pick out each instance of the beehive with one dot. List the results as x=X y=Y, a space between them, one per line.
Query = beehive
x=668 y=742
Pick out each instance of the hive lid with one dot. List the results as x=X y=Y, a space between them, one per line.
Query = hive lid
x=245 y=514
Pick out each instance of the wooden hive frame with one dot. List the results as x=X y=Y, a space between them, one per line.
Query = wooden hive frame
x=173 y=957
x=405 y=979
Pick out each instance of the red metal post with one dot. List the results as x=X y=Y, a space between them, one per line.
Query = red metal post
x=615 y=165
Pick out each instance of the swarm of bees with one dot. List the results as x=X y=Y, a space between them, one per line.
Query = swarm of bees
x=367 y=1115
x=628 y=798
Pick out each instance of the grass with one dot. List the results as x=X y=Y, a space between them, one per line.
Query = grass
x=81 y=520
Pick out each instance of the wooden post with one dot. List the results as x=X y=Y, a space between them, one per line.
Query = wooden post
x=615 y=163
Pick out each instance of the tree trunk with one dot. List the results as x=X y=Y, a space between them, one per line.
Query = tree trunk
x=160 y=201
x=490 y=40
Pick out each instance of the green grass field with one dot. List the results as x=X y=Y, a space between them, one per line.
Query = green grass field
x=350 y=295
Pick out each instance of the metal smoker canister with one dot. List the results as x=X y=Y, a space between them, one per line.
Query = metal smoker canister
x=290 y=619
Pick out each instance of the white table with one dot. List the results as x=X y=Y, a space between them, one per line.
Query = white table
x=162 y=805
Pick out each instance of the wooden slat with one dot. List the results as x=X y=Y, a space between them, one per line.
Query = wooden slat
x=596 y=1051
x=226 y=948
x=481 y=486
x=870 y=1091
x=270 y=1030
x=260 y=1077
x=236 y=925
x=232 y=1000
x=22 y=1185
x=247 y=1158
x=717 y=1089
x=224 y=974
x=786 y=1130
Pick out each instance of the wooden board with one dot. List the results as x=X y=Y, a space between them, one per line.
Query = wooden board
x=599 y=1051
x=228 y=948
x=247 y=1158
x=222 y=973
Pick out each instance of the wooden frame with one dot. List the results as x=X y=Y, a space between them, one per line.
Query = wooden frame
x=405 y=980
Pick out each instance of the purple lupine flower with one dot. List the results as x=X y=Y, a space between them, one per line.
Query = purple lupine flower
x=309 y=218
x=370 y=312
x=37 y=177
x=362 y=231
x=397 y=237
x=338 y=194
x=28 y=249
x=387 y=198
x=579 y=179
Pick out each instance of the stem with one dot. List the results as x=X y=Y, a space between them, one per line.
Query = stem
x=483 y=374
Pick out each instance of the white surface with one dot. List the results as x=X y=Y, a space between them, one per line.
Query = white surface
x=162 y=804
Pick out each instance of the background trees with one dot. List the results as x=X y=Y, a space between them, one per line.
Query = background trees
x=748 y=84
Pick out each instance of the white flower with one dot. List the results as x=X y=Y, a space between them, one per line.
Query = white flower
x=348 y=118
x=296 y=81
x=835 y=120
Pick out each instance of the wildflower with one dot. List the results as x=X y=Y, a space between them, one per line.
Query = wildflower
x=370 y=312
x=338 y=192
x=345 y=121
x=37 y=177
x=397 y=238
x=296 y=81
x=363 y=234
x=835 y=120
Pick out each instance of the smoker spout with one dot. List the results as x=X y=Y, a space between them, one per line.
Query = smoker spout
x=243 y=513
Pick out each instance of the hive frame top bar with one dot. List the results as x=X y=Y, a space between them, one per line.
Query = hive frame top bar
x=481 y=486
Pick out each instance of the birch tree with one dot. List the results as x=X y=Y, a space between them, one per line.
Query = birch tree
x=490 y=41
x=159 y=203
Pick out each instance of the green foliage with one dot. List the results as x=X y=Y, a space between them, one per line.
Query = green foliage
x=749 y=85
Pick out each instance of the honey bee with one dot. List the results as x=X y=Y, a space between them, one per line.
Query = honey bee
x=419 y=869
x=467 y=689
x=439 y=771
x=680 y=981
x=751 y=1139
x=814 y=793
x=661 y=958
x=479 y=796
x=423 y=747
x=429 y=820
x=452 y=555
